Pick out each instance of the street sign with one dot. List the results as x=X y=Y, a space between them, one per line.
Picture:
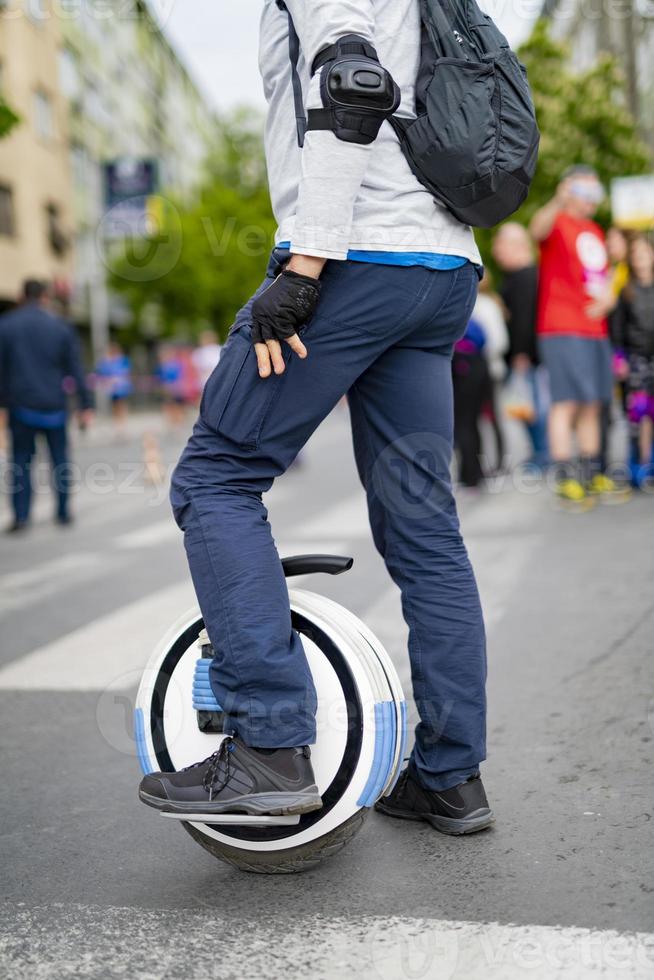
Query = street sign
x=130 y=186
x=632 y=202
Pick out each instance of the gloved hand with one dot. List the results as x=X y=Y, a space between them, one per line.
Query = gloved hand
x=278 y=313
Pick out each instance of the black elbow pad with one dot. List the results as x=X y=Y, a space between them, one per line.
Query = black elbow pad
x=358 y=94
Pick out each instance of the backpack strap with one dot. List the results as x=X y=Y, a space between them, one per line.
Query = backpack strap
x=348 y=45
x=294 y=55
x=323 y=119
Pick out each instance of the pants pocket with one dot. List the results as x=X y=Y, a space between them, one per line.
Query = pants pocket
x=236 y=400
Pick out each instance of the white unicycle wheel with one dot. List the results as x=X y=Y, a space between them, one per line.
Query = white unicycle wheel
x=361 y=729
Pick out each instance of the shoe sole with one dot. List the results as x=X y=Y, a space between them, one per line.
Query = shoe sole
x=455 y=827
x=255 y=805
x=615 y=498
x=582 y=506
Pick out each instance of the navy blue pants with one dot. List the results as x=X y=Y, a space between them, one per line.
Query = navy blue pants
x=23 y=442
x=383 y=335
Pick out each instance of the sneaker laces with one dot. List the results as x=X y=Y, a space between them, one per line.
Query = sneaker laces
x=211 y=780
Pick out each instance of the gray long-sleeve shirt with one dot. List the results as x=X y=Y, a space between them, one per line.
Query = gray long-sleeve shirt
x=332 y=196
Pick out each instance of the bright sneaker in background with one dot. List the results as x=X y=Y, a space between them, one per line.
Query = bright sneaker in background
x=572 y=495
x=608 y=490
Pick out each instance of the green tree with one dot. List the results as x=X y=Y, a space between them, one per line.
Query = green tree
x=583 y=118
x=8 y=118
x=207 y=257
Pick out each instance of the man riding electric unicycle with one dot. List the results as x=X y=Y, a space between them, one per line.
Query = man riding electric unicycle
x=370 y=284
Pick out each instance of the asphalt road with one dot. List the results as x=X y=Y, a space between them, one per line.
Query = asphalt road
x=95 y=885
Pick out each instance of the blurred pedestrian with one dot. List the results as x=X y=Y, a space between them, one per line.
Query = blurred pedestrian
x=4 y=425
x=617 y=248
x=115 y=373
x=633 y=336
x=171 y=376
x=471 y=376
x=205 y=357
x=489 y=314
x=513 y=251
x=617 y=244
x=39 y=353
x=575 y=298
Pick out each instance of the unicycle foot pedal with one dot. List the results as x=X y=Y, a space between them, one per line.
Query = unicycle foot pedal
x=238 y=819
x=211 y=718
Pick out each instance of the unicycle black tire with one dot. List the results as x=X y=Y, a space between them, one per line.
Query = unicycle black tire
x=293 y=860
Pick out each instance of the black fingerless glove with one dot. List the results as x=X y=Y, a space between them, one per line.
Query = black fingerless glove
x=284 y=307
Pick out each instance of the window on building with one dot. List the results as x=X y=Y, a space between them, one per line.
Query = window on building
x=37 y=11
x=43 y=115
x=79 y=160
x=7 y=215
x=57 y=238
x=69 y=74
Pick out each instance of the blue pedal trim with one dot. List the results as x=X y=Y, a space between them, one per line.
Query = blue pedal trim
x=404 y=721
x=141 y=745
x=382 y=761
x=203 y=697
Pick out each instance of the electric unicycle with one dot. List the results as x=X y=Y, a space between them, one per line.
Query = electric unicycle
x=361 y=729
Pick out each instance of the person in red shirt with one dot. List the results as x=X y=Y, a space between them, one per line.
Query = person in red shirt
x=575 y=298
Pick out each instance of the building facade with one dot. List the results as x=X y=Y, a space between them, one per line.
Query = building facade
x=117 y=91
x=624 y=28
x=129 y=97
x=36 y=199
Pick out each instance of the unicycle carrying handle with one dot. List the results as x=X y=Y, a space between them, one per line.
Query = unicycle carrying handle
x=312 y=564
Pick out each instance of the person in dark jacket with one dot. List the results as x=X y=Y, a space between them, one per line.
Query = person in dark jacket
x=514 y=254
x=632 y=333
x=39 y=353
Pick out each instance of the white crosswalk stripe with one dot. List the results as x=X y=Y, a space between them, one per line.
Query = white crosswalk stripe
x=150 y=536
x=28 y=587
x=80 y=941
x=102 y=652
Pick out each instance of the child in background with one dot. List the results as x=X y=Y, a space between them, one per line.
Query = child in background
x=115 y=374
x=617 y=247
x=171 y=378
x=633 y=336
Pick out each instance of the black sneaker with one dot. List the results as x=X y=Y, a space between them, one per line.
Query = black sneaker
x=461 y=810
x=237 y=779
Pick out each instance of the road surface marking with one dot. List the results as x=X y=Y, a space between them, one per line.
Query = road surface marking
x=148 y=537
x=348 y=519
x=81 y=941
x=102 y=652
x=31 y=586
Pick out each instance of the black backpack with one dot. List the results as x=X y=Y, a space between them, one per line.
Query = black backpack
x=474 y=143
